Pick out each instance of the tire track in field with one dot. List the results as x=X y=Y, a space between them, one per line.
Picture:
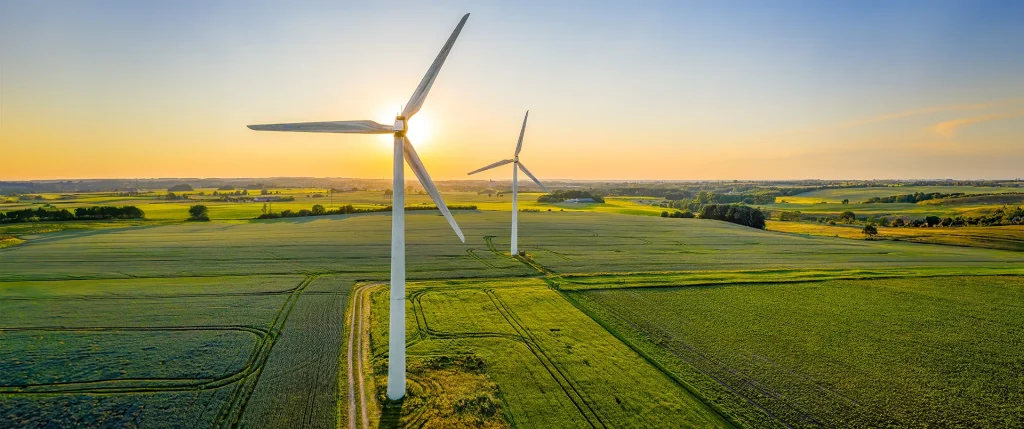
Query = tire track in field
x=230 y=414
x=564 y=381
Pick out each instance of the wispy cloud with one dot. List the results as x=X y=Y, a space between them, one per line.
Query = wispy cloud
x=949 y=128
x=905 y=114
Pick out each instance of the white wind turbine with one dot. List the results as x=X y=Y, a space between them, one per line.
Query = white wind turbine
x=403 y=150
x=515 y=185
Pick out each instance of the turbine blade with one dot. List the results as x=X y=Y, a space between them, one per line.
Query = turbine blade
x=519 y=146
x=496 y=164
x=528 y=173
x=420 y=95
x=421 y=173
x=351 y=127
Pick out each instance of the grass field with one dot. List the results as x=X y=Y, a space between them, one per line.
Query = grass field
x=250 y=323
x=940 y=352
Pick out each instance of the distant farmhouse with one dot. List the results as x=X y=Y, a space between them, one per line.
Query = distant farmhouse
x=265 y=199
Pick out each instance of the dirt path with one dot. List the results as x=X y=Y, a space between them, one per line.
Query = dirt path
x=358 y=410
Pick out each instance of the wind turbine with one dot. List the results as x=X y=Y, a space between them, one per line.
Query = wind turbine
x=403 y=150
x=515 y=185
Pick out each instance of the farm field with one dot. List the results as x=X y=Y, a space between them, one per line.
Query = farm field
x=554 y=366
x=1009 y=237
x=228 y=323
x=155 y=352
x=859 y=195
x=936 y=352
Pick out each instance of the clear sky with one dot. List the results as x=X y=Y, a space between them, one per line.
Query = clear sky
x=616 y=90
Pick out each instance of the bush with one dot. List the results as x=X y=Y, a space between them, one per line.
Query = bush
x=664 y=214
x=318 y=210
x=847 y=217
x=870 y=230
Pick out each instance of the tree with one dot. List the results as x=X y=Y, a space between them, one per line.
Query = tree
x=198 y=213
x=870 y=230
x=932 y=220
x=847 y=216
x=184 y=187
x=846 y=201
x=664 y=214
x=318 y=210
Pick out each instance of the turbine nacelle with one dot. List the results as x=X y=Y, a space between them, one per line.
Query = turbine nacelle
x=400 y=126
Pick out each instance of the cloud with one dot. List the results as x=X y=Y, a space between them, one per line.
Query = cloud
x=948 y=129
x=903 y=114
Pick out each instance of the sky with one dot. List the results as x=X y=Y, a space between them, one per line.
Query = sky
x=677 y=90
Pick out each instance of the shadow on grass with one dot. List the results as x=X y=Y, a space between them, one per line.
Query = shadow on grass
x=391 y=414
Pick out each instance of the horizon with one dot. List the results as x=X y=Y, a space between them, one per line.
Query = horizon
x=669 y=92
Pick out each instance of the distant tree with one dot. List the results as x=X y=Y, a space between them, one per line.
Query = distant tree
x=846 y=201
x=947 y=221
x=883 y=221
x=389 y=192
x=664 y=214
x=318 y=210
x=898 y=222
x=184 y=187
x=870 y=230
x=198 y=213
x=932 y=220
x=847 y=216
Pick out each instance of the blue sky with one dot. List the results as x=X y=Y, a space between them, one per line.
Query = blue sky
x=620 y=90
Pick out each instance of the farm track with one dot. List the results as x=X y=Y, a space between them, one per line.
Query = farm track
x=358 y=410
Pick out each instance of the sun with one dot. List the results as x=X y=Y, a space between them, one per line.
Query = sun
x=421 y=128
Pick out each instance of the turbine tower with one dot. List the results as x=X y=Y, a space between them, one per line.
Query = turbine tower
x=403 y=150
x=517 y=165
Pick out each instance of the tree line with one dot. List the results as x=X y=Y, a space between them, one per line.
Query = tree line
x=319 y=210
x=741 y=215
x=80 y=213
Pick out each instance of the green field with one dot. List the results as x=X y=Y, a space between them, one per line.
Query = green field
x=940 y=352
x=282 y=323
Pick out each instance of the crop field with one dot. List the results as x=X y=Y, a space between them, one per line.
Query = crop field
x=938 y=352
x=159 y=351
x=858 y=195
x=554 y=366
x=282 y=323
x=1009 y=237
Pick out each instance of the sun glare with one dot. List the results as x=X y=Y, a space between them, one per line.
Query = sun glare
x=421 y=128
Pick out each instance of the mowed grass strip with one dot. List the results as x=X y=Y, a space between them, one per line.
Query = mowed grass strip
x=934 y=352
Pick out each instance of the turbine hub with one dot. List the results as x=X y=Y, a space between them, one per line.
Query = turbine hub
x=399 y=127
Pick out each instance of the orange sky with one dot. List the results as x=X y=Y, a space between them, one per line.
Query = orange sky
x=93 y=93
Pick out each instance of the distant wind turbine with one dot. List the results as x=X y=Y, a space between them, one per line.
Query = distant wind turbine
x=515 y=185
x=403 y=150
